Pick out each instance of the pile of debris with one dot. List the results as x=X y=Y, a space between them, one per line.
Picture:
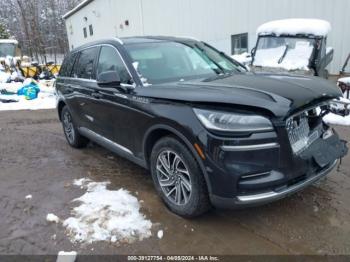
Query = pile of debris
x=29 y=95
x=16 y=69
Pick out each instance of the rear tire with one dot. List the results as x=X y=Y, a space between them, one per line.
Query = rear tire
x=178 y=178
x=71 y=133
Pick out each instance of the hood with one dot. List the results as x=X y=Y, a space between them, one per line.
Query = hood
x=281 y=70
x=279 y=94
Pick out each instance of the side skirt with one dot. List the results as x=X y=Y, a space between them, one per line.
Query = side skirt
x=112 y=146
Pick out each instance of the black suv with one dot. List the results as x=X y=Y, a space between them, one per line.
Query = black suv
x=210 y=132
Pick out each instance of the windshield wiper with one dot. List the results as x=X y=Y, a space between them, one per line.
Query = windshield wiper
x=219 y=70
x=284 y=54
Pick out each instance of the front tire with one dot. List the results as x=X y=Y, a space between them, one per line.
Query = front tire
x=71 y=133
x=178 y=178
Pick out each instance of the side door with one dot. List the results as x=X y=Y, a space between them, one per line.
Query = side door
x=65 y=86
x=115 y=103
x=83 y=85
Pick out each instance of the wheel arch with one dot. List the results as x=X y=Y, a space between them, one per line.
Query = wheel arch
x=60 y=106
x=155 y=133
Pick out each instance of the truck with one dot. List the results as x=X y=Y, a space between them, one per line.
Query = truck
x=9 y=47
x=296 y=46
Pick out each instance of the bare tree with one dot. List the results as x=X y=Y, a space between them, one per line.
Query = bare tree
x=37 y=25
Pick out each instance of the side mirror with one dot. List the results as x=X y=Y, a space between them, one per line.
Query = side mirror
x=108 y=79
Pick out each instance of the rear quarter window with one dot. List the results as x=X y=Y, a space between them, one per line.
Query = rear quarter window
x=67 y=65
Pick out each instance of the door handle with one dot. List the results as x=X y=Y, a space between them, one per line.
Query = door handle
x=96 y=95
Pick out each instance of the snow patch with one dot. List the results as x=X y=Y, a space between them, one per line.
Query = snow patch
x=66 y=256
x=160 y=234
x=244 y=58
x=52 y=218
x=297 y=58
x=82 y=181
x=106 y=215
x=334 y=119
x=345 y=80
x=295 y=26
x=29 y=197
x=44 y=101
x=46 y=98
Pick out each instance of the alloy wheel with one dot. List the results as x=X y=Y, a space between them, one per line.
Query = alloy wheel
x=174 y=177
x=68 y=127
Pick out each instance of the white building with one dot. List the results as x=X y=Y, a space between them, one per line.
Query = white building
x=229 y=25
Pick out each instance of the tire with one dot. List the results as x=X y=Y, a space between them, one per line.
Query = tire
x=174 y=169
x=71 y=133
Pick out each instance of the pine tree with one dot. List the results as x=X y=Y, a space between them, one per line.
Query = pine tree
x=4 y=34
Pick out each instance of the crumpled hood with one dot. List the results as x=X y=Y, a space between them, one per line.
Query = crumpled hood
x=279 y=94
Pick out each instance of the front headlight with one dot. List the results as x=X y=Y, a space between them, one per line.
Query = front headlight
x=233 y=122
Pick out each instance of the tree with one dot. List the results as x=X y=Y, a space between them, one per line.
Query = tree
x=37 y=25
x=4 y=33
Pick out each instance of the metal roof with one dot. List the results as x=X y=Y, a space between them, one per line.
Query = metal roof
x=77 y=8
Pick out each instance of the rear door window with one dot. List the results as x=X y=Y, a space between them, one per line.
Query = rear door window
x=110 y=60
x=84 y=67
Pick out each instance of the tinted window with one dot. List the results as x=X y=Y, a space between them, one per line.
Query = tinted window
x=110 y=60
x=84 y=67
x=67 y=65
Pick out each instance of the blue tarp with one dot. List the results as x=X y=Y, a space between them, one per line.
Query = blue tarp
x=29 y=91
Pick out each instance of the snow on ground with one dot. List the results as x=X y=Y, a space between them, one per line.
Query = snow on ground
x=106 y=215
x=160 y=234
x=46 y=98
x=52 y=218
x=295 y=26
x=44 y=101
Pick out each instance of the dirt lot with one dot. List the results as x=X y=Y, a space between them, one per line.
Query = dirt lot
x=35 y=159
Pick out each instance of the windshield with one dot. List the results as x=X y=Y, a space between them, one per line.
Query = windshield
x=290 y=53
x=161 y=62
x=7 y=49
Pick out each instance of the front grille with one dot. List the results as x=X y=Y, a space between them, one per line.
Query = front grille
x=301 y=134
x=298 y=132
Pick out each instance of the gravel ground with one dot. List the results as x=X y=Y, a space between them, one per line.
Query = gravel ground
x=35 y=159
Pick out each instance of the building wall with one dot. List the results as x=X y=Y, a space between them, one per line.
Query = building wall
x=211 y=21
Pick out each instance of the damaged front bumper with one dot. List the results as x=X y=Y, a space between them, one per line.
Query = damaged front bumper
x=325 y=152
x=279 y=194
x=286 y=172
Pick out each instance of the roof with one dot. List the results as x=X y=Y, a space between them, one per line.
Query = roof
x=134 y=40
x=295 y=26
x=8 y=41
x=77 y=8
x=148 y=39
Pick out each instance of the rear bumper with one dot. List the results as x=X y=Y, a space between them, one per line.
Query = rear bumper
x=269 y=196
